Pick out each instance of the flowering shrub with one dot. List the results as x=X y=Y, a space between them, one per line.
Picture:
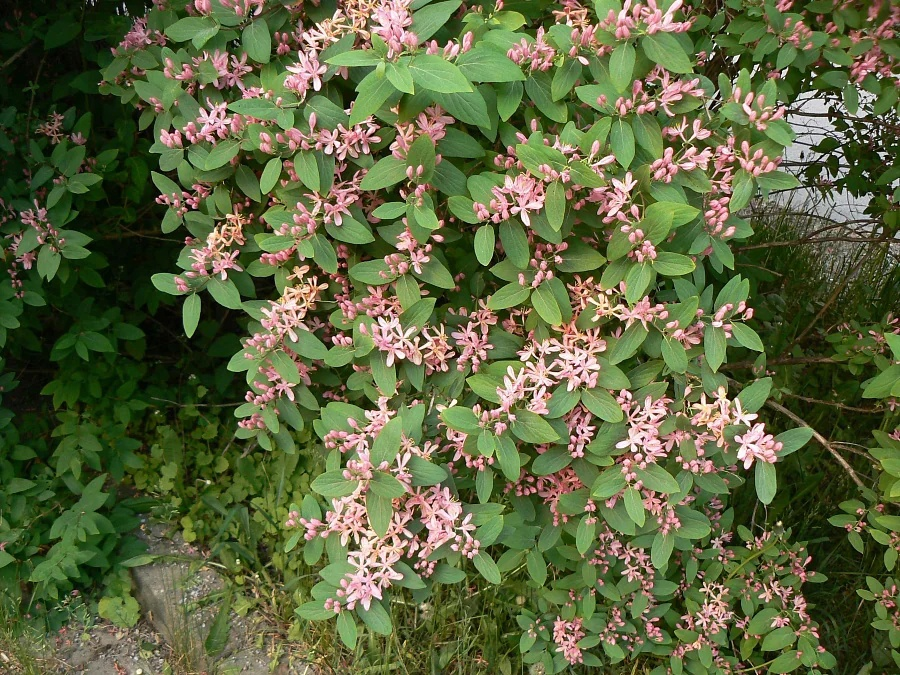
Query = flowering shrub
x=484 y=254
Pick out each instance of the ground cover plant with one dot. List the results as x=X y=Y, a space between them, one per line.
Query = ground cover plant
x=499 y=322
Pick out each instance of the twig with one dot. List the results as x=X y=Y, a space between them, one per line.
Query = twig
x=842 y=406
x=822 y=441
x=821 y=240
x=176 y=404
x=31 y=102
x=849 y=448
x=15 y=56
x=794 y=361
x=133 y=233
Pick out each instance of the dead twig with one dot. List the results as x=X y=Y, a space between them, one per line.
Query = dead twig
x=824 y=442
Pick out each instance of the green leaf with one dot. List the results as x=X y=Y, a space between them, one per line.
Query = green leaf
x=376 y=618
x=663 y=48
x=224 y=292
x=793 y=439
x=433 y=73
x=192 y=28
x=387 y=443
x=436 y=274
x=421 y=153
x=217 y=639
x=661 y=549
x=486 y=62
x=539 y=87
x=484 y=484
x=385 y=485
x=468 y=107
x=191 y=314
x=532 y=428
x=621 y=139
x=673 y=264
x=372 y=92
x=350 y=231
x=621 y=66
x=747 y=337
x=347 y=629
x=257 y=40
x=579 y=257
x=270 y=175
x=418 y=314
x=509 y=96
x=754 y=396
x=778 y=639
x=425 y=473
x=674 y=355
x=766 y=482
x=601 y=403
x=544 y=301
x=882 y=384
x=608 y=484
x=354 y=58
x=515 y=243
x=510 y=295
x=429 y=19
x=628 y=343
x=379 y=511
x=222 y=154
x=555 y=205
x=585 y=535
x=260 y=108
x=61 y=32
x=714 y=346
x=555 y=459
x=460 y=418
x=656 y=478
x=508 y=456
x=786 y=663
x=324 y=254
x=634 y=506
x=487 y=568
x=333 y=484
x=485 y=242
x=398 y=75
x=386 y=172
x=565 y=77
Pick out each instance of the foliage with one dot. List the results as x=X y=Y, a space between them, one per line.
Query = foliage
x=83 y=354
x=484 y=263
x=597 y=182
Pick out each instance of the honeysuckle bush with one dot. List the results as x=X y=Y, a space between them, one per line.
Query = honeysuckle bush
x=484 y=257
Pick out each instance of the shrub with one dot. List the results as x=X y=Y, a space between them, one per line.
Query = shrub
x=504 y=293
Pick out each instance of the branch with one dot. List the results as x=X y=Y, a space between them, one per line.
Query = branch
x=794 y=361
x=822 y=441
x=835 y=404
x=12 y=59
x=176 y=404
x=34 y=89
x=821 y=240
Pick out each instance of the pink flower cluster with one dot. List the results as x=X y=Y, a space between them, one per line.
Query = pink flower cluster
x=373 y=557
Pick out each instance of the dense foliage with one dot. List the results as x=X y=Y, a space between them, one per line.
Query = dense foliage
x=482 y=264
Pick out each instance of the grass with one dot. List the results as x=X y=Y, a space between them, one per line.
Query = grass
x=24 y=650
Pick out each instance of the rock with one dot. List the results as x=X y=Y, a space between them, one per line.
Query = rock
x=174 y=595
